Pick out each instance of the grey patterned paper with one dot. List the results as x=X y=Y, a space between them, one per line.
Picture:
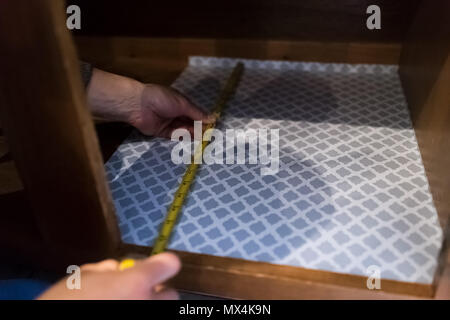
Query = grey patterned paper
x=351 y=191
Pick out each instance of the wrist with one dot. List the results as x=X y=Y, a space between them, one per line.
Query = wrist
x=129 y=106
x=113 y=97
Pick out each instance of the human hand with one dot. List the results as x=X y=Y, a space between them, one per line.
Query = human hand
x=153 y=109
x=104 y=281
x=163 y=109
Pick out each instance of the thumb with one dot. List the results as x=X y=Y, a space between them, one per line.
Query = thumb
x=159 y=268
x=193 y=112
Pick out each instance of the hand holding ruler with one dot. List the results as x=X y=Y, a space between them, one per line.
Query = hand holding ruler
x=189 y=176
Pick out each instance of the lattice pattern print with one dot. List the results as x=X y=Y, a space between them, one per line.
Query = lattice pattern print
x=351 y=191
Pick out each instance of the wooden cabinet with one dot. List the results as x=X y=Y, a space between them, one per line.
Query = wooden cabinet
x=66 y=215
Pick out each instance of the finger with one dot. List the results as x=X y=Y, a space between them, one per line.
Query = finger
x=167 y=131
x=159 y=268
x=166 y=294
x=185 y=124
x=193 y=112
x=188 y=121
x=105 y=265
x=182 y=123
